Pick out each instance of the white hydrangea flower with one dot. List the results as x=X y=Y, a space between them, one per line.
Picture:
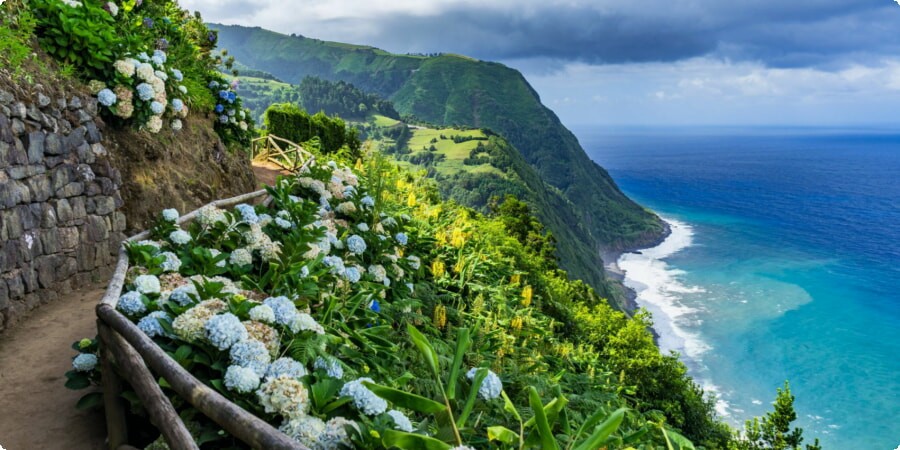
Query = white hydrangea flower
x=170 y=215
x=363 y=399
x=305 y=322
x=262 y=313
x=241 y=257
x=284 y=395
x=401 y=422
x=147 y=284
x=241 y=379
x=180 y=237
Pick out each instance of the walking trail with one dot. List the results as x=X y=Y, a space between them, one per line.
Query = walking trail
x=37 y=411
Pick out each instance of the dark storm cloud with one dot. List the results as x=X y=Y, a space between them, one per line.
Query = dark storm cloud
x=777 y=33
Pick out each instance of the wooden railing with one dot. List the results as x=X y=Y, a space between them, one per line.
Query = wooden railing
x=127 y=353
x=280 y=151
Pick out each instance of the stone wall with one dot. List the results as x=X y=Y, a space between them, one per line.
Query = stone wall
x=60 y=224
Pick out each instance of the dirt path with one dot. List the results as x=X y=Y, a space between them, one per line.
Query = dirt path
x=38 y=412
x=267 y=172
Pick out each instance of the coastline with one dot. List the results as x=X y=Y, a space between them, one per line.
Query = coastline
x=611 y=266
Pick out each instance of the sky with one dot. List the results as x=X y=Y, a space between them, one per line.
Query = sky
x=639 y=62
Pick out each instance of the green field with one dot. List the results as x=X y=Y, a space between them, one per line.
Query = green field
x=383 y=121
x=454 y=153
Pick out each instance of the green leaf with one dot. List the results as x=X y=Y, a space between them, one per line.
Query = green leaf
x=551 y=410
x=426 y=349
x=462 y=345
x=502 y=434
x=548 y=441
x=680 y=442
x=406 y=399
x=509 y=407
x=410 y=441
x=183 y=352
x=603 y=431
x=77 y=380
x=89 y=401
x=480 y=375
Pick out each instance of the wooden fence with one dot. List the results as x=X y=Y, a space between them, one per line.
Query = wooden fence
x=282 y=152
x=127 y=353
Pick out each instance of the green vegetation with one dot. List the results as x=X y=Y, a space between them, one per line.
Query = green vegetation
x=342 y=99
x=294 y=124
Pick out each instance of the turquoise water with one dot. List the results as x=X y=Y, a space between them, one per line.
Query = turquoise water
x=785 y=264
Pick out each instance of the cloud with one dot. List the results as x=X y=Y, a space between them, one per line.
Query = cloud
x=776 y=32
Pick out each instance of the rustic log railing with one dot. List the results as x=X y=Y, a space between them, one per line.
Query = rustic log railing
x=282 y=152
x=126 y=348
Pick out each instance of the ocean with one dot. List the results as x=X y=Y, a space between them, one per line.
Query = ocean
x=783 y=264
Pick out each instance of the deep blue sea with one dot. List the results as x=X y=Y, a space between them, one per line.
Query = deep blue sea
x=784 y=265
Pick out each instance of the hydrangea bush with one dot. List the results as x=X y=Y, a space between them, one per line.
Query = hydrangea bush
x=347 y=336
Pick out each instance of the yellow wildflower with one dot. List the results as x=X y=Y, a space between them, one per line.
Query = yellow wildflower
x=527 y=292
x=440 y=316
x=437 y=268
x=411 y=200
x=516 y=323
x=359 y=165
x=458 y=268
x=515 y=279
x=458 y=238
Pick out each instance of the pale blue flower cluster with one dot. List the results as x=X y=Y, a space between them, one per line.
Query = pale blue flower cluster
x=241 y=379
x=331 y=367
x=251 y=354
x=362 y=226
x=177 y=104
x=490 y=387
x=304 y=272
x=182 y=294
x=368 y=201
x=284 y=309
x=161 y=55
x=180 y=237
x=144 y=91
x=157 y=107
x=214 y=253
x=401 y=422
x=170 y=215
x=262 y=313
x=363 y=399
x=241 y=257
x=85 y=362
x=352 y=274
x=285 y=366
x=286 y=224
x=356 y=245
x=335 y=263
x=106 y=97
x=172 y=263
x=146 y=284
x=247 y=213
x=389 y=222
x=182 y=89
x=402 y=238
x=225 y=330
x=306 y=322
x=177 y=74
x=414 y=262
x=161 y=75
x=131 y=304
x=150 y=325
x=213 y=84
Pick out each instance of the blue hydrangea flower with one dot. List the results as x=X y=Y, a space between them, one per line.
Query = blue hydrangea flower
x=402 y=238
x=230 y=113
x=150 y=325
x=414 y=262
x=286 y=224
x=232 y=97
x=375 y=306
x=213 y=84
x=241 y=379
x=363 y=399
x=335 y=263
x=356 y=245
x=144 y=91
x=331 y=367
x=304 y=272
x=251 y=354
x=352 y=274
x=223 y=95
x=161 y=55
x=389 y=222
x=170 y=215
x=143 y=57
x=157 y=60
x=161 y=75
x=182 y=294
x=247 y=213
x=146 y=284
x=362 y=227
x=172 y=263
x=285 y=310
x=85 y=362
x=348 y=191
x=225 y=330
x=177 y=75
x=131 y=304
x=401 y=422
x=262 y=313
x=180 y=237
x=490 y=387
x=177 y=104
x=368 y=201
x=219 y=108
x=157 y=107
x=223 y=119
x=106 y=97
x=285 y=366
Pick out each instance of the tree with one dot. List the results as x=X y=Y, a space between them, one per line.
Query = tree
x=773 y=431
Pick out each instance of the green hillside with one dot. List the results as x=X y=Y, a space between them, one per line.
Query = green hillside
x=456 y=90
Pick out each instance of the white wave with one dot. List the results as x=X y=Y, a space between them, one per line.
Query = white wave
x=659 y=288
